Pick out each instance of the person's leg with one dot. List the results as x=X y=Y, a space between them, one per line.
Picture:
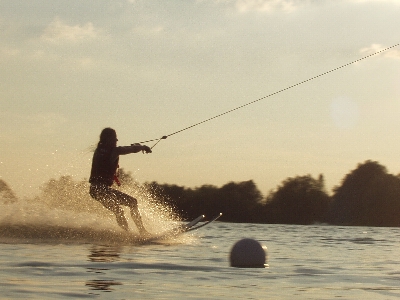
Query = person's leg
x=138 y=219
x=124 y=199
x=121 y=220
x=106 y=197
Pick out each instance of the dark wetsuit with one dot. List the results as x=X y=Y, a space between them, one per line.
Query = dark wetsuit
x=104 y=166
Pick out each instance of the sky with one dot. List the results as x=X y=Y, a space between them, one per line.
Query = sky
x=150 y=68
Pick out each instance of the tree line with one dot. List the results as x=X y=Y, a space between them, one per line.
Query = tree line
x=367 y=196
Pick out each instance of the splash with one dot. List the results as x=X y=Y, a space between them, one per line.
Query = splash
x=65 y=213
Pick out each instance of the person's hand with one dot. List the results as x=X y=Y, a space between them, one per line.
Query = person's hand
x=146 y=149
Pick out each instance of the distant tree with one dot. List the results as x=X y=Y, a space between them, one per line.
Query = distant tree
x=169 y=195
x=299 y=200
x=239 y=201
x=202 y=200
x=7 y=196
x=368 y=196
x=188 y=203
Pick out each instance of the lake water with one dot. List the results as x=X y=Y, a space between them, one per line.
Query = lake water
x=305 y=262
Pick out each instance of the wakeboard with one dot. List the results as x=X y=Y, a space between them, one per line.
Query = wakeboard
x=192 y=225
x=205 y=223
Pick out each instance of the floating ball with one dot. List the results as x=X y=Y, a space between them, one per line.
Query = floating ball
x=248 y=253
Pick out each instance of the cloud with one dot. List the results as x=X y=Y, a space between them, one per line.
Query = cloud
x=286 y=6
x=148 y=31
x=269 y=5
x=393 y=53
x=58 y=32
x=380 y=1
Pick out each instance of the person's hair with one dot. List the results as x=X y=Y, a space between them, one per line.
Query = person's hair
x=108 y=137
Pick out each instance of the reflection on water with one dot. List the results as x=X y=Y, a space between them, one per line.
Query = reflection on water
x=102 y=285
x=99 y=253
x=103 y=254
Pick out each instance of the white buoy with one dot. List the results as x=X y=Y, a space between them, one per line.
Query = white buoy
x=248 y=253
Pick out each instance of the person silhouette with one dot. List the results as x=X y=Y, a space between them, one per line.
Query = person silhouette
x=103 y=174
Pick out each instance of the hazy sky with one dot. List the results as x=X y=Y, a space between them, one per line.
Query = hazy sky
x=150 y=68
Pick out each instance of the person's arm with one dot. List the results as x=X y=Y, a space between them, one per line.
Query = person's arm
x=134 y=148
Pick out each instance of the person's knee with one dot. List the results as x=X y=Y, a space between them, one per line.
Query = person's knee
x=129 y=201
x=97 y=192
x=122 y=222
x=118 y=210
x=134 y=201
